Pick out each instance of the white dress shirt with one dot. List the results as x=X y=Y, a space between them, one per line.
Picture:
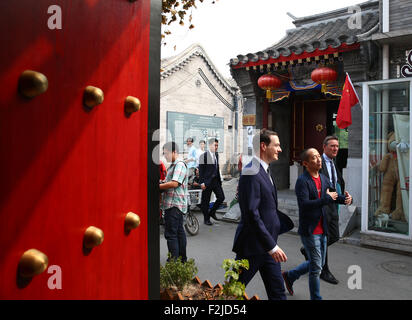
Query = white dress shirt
x=213 y=155
x=328 y=167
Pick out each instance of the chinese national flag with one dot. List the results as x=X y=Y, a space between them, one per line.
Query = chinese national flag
x=348 y=100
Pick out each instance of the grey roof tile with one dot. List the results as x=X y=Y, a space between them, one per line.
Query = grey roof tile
x=317 y=32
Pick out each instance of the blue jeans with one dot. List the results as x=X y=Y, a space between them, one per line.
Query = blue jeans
x=315 y=247
x=175 y=233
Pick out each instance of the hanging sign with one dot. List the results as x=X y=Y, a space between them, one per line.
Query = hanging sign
x=249 y=120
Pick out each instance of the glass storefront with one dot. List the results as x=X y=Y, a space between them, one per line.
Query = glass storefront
x=388 y=161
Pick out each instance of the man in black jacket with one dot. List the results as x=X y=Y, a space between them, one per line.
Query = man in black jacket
x=261 y=222
x=210 y=181
x=314 y=193
x=329 y=169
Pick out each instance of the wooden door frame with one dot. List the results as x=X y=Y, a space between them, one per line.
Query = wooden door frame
x=302 y=100
x=153 y=235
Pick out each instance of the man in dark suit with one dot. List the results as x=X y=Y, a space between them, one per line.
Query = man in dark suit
x=314 y=192
x=210 y=181
x=333 y=173
x=261 y=222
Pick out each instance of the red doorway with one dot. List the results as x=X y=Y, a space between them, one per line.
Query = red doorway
x=309 y=126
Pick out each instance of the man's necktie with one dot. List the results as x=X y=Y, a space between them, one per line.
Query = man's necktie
x=274 y=186
x=270 y=177
x=332 y=169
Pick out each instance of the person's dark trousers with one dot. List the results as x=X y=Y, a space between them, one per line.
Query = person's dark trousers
x=326 y=274
x=326 y=267
x=333 y=227
x=175 y=233
x=270 y=272
x=215 y=187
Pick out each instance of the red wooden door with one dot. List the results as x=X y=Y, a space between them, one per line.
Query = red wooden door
x=65 y=167
x=308 y=126
x=314 y=124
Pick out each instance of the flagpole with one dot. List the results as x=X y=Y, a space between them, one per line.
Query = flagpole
x=348 y=100
x=347 y=74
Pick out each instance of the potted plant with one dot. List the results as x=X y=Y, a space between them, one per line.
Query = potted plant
x=178 y=281
x=233 y=269
x=175 y=275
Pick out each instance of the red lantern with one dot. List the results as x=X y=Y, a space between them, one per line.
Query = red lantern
x=323 y=75
x=269 y=82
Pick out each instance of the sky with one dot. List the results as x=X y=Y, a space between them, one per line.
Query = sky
x=232 y=27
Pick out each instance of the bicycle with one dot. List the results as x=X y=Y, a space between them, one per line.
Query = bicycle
x=191 y=223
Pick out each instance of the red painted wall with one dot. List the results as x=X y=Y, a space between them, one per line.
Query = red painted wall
x=64 y=168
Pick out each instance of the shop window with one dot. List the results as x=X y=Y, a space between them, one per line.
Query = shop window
x=389 y=134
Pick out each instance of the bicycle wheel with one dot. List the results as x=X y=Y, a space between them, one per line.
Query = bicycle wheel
x=191 y=224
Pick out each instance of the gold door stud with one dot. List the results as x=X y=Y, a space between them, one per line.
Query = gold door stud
x=131 y=104
x=93 y=237
x=32 y=263
x=32 y=83
x=92 y=96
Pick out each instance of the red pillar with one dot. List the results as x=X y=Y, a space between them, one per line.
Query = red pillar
x=265 y=113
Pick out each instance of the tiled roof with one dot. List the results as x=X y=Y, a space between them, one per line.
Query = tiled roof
x=316 y=34
x=172 y=64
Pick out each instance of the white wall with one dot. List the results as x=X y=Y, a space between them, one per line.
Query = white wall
x=179 y=93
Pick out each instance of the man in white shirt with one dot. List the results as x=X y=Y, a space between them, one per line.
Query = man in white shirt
x=191 y=156
x=200 y=151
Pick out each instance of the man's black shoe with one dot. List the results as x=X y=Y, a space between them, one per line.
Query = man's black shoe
x=303 y=251
x=289 y=285
x=213 y=215
x=209 y=223
x=327 y=276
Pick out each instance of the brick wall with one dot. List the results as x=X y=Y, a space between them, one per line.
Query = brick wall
x=400 y=14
